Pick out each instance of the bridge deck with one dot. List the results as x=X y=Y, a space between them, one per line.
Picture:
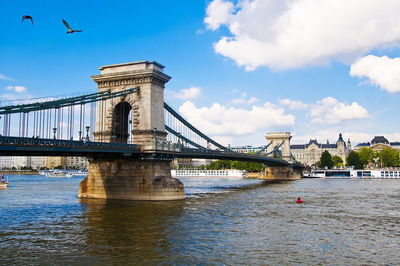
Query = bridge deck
x=234 y=156
x=18 y=146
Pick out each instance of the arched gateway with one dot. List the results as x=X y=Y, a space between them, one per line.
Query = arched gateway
x=120 y=123
x=138 y=117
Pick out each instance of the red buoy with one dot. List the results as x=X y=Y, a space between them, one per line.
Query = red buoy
x=299 y=200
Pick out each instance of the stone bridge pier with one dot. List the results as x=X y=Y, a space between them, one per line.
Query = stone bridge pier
x=281 y=172
x=139 y=117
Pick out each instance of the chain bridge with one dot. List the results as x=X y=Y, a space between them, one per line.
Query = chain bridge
x=129 y=134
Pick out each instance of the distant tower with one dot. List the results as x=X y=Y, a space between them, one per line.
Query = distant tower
x=341 y=147
x=340 y=143
x=348 y=144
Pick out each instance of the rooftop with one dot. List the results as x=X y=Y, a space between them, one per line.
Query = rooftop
x=379 y=139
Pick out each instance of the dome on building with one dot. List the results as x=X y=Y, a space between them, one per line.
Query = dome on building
x=379 y=139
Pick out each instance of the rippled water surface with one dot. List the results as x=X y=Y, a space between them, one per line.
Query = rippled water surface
x=221 y=222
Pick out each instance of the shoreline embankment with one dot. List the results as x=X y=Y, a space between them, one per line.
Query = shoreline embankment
x=19 y=172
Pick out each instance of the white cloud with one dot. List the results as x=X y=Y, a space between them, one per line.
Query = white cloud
x=185 y=94
x=331 y=111
x=392 y=137
x=218 y=12
x=219 y=120
x=4 y=77
x=16 y=99
x=8 y=97
x=362 y=137
x=18 y=89
x=224 y=140
x=293 y=105
x=285 y=34
x=242 y=100
x=382 y=71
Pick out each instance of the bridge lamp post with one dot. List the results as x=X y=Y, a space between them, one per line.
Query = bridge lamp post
x=54 y=132
x=80 y=135
x=154 y=134
x=87 y=132
x=154 y=137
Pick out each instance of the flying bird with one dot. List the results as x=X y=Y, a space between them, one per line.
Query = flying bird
x=69 y=28
x=27 y=17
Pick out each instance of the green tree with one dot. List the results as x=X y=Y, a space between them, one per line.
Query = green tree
x=247 y=166
x=353 y=159
x=389 y=157
x=366 y=155
x=326 y=160
x=219 y=164
x=337 y=161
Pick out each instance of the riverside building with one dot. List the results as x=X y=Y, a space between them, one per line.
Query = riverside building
x=310 y=153
x=77 y=163
x=377 y=144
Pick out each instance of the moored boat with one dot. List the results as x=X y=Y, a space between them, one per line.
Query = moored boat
x=228 y=173
x=57 y=173
x=360 y=174
x=3 y=182
x=69 y=173
x=77 y=172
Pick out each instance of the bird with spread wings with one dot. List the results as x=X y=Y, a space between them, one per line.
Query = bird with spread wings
x=27 y=17
x=70 y=30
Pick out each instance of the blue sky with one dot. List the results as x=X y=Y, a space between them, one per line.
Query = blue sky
x=239 y=69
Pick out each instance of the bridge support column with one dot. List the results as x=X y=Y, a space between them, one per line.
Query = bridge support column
x=131 y=179
x=281 y=173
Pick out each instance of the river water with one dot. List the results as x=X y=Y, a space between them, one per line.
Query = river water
x=222 y=221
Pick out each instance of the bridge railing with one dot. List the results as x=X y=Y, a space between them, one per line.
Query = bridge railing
x=38 y=142
x=229 y=155
x=166 y=146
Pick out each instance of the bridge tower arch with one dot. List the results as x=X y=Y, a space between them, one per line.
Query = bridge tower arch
x=147 y=105
x=140 y=115
x=277 y=138
x=121 y=122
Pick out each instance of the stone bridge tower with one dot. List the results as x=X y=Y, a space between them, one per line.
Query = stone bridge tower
x=147 y=105
x=281 y=172
x=141 y=113
x=277 y=139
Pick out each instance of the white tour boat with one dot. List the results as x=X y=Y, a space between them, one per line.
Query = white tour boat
x=351 y=173
x=60 y=173
x=3 y=182
x=77 y=172
x=57 y=173
x=228 y=173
